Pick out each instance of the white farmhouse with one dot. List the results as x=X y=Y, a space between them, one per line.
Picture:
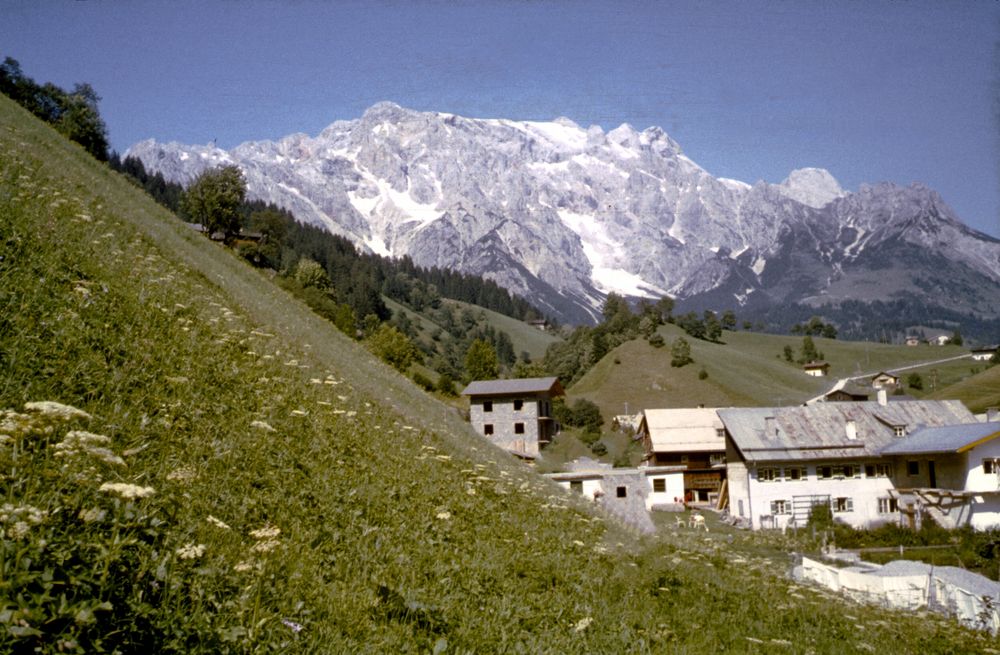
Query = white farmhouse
x=783 y=460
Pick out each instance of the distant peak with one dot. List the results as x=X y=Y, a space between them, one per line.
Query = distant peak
x=384 y=110
x=814 y=187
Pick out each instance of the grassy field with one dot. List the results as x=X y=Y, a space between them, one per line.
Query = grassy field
x=979 y=392
x=239 y=477
x=748 y=369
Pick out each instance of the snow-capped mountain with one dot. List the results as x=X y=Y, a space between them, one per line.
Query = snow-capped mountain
x=564 y=215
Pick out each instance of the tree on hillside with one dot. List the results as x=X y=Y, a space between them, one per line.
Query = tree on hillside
x=680 y=353
x=728 y=320
x=914 y=381
x=393 y=347
x=713 y=328
x=481 y=361
x=809 y=352
x=308 y=273
x=956 y=338
x=214 y=199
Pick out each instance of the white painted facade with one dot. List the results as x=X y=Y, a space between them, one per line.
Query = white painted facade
x=672 y=485
x=783 y=492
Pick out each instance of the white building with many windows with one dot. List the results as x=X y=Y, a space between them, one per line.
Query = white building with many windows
x=870 y=462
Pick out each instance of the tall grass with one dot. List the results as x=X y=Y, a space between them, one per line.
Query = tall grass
x=240 y=477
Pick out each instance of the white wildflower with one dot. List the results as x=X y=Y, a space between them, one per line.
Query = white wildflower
x=92 y=514
x=243 y=567
x=265 y=546
x=583 y=624
x=267 y=532
x=127 y=491
x=178 y=379
x=190 y=551
x=299 y=412
x=183 y=474
x=80 y=442
x=56 y=410
x=261 y=425
x=444 y=516
x=19 y=530
x=217 y=523
x=292 y=625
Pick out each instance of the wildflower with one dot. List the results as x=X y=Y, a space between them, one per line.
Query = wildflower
x=19 y=530
x=190 y=551
x=183 y=474
x=267 y=532
x=261 y=425
x=265 y=546
x=299 y=412
x=179 y=379
x=127 y=491
x=217 y=523
x=80 y=442
x=92 y=515
x=243 y=567
x=52 y=409
x=292 y=625
x=583 y=624
x=444 y=516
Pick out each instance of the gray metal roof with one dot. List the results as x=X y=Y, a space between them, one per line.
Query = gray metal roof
x=512 y=387
x=820 y=431
x=946 y=439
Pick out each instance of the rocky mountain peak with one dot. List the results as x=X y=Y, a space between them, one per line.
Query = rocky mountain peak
x=564 y=215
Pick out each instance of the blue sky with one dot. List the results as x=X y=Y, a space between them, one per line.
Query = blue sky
x=872 y=91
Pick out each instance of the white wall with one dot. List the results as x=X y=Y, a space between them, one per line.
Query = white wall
x=674 y=489
x=589 y=487
x=863 y=492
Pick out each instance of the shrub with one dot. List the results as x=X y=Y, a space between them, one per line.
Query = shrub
x=423 y=381
x=702 y=374
x=657 y=341
x=598 y=448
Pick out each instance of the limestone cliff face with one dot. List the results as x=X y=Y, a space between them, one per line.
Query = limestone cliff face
x=563 y=215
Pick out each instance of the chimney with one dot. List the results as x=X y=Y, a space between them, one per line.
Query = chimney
x=851 y=428
x=883 y=397
x=770 y=427
x=992 y=414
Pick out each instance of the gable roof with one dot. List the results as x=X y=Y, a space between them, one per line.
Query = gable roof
x=945 y=439
x=683 y=430
x=513 y=387
x=820 y=431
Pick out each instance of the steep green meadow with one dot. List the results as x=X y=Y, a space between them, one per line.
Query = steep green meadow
x=979 y=392
x=247 y=479
x=748 y=369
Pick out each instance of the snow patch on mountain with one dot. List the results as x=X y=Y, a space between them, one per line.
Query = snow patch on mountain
x=814 y=187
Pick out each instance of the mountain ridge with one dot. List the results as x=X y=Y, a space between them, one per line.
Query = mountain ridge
x=563 y=215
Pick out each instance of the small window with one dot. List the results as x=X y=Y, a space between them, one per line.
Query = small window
x=576 y=486
x=899 y=430
x=824 y=472
x=769 y=475
x=989 y=466
x=518 y=405
x=842 y=505
x=913 y=467
x=716 y=459
x=720 y=433
x=883 y=470
x=487 y=405
x=519 y=428
x=888 y=506
x=487 y=428
x=850 y=471
x=779 y=507
x=684 y=459
x=621 y=492
x=795 y=474
x=869 y=470
x=659 y=485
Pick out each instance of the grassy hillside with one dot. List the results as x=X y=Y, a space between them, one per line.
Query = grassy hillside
x=979 y=392
x=749 y=369
x=524 y=337
x=246 y=479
